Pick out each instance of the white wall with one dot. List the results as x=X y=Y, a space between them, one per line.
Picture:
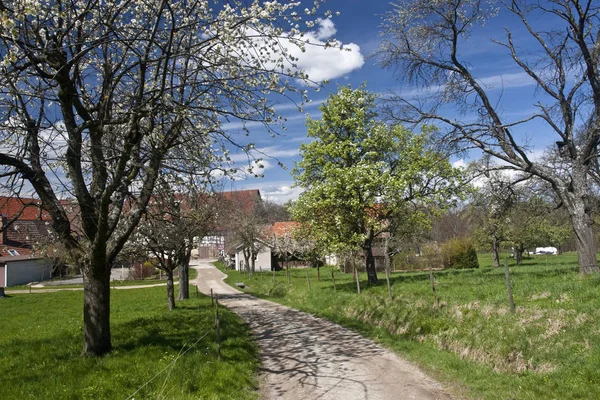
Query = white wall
x=263 y=259
x=26 y=271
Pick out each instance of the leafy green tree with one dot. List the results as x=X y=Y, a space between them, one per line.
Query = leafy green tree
x=359 y=173
x=489 y=211
x=531 y=222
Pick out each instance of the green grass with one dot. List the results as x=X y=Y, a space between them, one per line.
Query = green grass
x=549 y=349
x=167 y=355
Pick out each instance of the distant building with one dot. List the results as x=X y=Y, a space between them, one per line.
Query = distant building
x=220 y=241
x=21 y=270
x=23 y=225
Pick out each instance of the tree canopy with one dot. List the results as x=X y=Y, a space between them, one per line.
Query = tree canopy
x=359 y=173
x=425 y=42
x=99 y=98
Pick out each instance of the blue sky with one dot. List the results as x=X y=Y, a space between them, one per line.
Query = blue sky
x=358 y=25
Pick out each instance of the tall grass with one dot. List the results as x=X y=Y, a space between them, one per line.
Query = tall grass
x=157 y=354
x=550 y=348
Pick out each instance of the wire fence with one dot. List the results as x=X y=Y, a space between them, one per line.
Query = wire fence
x=169 y=367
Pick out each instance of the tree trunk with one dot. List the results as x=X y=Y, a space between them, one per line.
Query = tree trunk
x=96 y=308
x=519 y=249
x=585 y=241
x=576 y=198
x=370 y=265
x=246 y=262
x=170 y=290
x=496 y=253
x=184 y=276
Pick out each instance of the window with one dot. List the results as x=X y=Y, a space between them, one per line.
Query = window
x=13 y=253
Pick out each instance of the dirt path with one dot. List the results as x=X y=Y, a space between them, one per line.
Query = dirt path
x=304 y=357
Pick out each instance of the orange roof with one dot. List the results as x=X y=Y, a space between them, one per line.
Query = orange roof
x=284 y=227
x=26 y=209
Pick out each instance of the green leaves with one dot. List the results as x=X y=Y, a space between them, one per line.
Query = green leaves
x=360 y=173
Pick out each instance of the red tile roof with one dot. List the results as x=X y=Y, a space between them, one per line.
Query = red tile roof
x=26 y=209
x=284 y=227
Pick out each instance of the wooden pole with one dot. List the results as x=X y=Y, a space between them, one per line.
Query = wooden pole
x=218 y=328
x=333 y=280
x=389 y=286
x=357 y=280
x=511 y=301
x=432 y=281
x=287 y=268
x=307 y=280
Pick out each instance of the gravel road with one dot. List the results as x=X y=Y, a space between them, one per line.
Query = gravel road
x=304 y=357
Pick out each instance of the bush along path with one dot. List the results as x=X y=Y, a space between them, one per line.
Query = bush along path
x=304 y=357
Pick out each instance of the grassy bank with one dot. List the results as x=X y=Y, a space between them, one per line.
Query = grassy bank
x=157 y=354
x=549 y=349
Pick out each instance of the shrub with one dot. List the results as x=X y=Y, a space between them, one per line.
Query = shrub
x=142 y=270
x=459 y=254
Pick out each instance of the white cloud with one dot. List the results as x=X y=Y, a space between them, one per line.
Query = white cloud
x=262 y=153
x=502 y=81
x=251 y=170
x=278 y=191
x=239 y=124
x=326 y=29
x=322 y=63
x=461 y=164
x=281 y=194
x=519 y=79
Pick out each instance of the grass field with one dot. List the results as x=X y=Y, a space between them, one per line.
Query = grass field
x=157 y=354
x=549 y=349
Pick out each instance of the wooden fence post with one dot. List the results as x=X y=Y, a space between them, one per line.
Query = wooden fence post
x=432 y=281
x=357 y=280
x=333 y=280
x=307 y=280
x=511 y=301
x=218 y=327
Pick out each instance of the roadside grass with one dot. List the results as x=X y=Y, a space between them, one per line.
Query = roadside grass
x=549 y=349
x=157 y=354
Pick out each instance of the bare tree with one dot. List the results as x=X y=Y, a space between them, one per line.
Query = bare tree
x=423 y=41
x=249 y=233
x=97 y=99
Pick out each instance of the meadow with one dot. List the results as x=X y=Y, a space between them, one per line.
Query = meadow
x=157 y=354
x=548 y=349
